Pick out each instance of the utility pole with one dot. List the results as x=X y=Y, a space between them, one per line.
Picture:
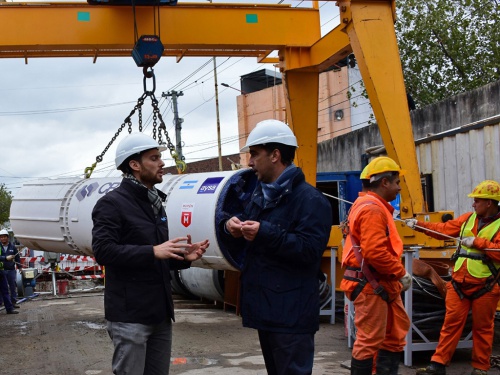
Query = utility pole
x=217 y=111
x=177 y=121
x=217 y=115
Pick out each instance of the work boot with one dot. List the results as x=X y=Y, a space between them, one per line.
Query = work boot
x=434 y=368
x=12 y=312
x=384 y=362
x=477 y=371
x=387 y=362
x=361 y=367
x=15 y=305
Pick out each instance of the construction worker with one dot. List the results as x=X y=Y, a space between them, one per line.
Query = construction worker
x=375 y=277
x=8 y=249
x=474 y=281
x=284 y=230
x=6 y=258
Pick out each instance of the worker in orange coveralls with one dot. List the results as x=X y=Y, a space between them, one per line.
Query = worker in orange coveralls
x=374 y=275
x=474 y=281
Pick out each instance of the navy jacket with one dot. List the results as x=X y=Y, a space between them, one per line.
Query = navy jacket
x=279 y=279
x=125 y=230
x=11 y=250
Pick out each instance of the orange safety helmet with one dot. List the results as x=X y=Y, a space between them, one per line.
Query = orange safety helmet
x=380 y=165
x=487 y=189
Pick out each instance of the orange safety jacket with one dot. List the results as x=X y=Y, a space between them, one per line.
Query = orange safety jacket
x=371 y=225
x=453 y=228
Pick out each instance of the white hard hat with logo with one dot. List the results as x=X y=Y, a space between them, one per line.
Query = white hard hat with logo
x=270 y=131
x=133 y=144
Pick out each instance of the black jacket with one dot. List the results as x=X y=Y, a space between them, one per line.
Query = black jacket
x=11 y=250
x=125 y=230
x=279 y=279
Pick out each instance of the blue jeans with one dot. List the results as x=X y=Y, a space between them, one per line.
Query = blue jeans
x=4 y=290
x=11 y=280
x=141 y=349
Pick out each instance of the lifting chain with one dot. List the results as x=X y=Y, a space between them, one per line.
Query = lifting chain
x=180 y=164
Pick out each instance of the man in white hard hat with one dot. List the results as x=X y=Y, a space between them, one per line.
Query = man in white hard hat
x=10 y=266
x=7 y=256
x=284 y=230
x=130 y=238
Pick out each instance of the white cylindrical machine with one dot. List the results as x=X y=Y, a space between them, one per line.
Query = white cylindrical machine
x=55 y=215
x=204 y=283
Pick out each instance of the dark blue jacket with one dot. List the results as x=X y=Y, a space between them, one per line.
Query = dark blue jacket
x=279 y=279
x=125 y=230
x=11 y=250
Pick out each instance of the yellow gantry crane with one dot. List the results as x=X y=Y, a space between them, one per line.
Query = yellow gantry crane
x=34 y=30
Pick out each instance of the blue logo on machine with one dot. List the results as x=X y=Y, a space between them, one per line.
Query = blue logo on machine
x=188 y=184
x=210 y=185
x=86 y=191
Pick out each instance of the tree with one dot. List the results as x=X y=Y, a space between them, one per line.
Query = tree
x=5 y=202
x=448 y=46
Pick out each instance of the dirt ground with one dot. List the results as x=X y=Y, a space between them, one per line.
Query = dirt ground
x=63 y=335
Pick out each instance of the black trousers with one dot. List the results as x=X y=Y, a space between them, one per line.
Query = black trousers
x=287 y=353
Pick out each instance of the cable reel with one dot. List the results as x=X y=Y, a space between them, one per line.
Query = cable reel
x=157 y=128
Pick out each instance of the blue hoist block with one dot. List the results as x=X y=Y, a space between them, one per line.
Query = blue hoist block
x=147 y=51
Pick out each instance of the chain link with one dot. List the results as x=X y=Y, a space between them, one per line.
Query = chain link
x=180 y=164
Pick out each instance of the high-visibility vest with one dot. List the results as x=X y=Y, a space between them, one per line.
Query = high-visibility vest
x=476 y=267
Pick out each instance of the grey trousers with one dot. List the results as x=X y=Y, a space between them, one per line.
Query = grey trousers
x=141 y=349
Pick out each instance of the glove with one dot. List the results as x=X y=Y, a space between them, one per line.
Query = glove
x=411 y=223
x=468 y=241
x=406 y=281
x=10 y=257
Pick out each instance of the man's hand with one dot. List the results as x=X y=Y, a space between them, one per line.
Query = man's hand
x=197 y=249
x=411 y=223
x=233 y=226
x=468 y=241
x=249 y=229
x=10 y=257
x=173 y=249
x=406 y=281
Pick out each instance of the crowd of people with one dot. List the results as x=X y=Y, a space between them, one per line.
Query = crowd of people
x=283 y=231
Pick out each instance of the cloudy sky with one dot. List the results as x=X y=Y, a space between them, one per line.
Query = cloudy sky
x=58 y=114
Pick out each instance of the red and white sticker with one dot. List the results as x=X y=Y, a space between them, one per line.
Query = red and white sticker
x=187 y=214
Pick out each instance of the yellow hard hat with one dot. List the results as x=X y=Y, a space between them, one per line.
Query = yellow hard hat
x=363 y=175
x=382 y=164
x=487 y=189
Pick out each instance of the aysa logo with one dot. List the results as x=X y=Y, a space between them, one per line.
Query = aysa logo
x=210 y=185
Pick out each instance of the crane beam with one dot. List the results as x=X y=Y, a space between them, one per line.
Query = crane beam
x=79 y=30
x=369 y=24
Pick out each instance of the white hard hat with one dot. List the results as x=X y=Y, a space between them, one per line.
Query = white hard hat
x=4 y=232
x=133 y=144
x=270 y=131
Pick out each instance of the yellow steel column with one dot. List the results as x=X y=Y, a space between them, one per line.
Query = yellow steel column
x=370 y=26
x=301 y=90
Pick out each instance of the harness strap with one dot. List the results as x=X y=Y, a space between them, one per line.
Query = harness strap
x=367 y=274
